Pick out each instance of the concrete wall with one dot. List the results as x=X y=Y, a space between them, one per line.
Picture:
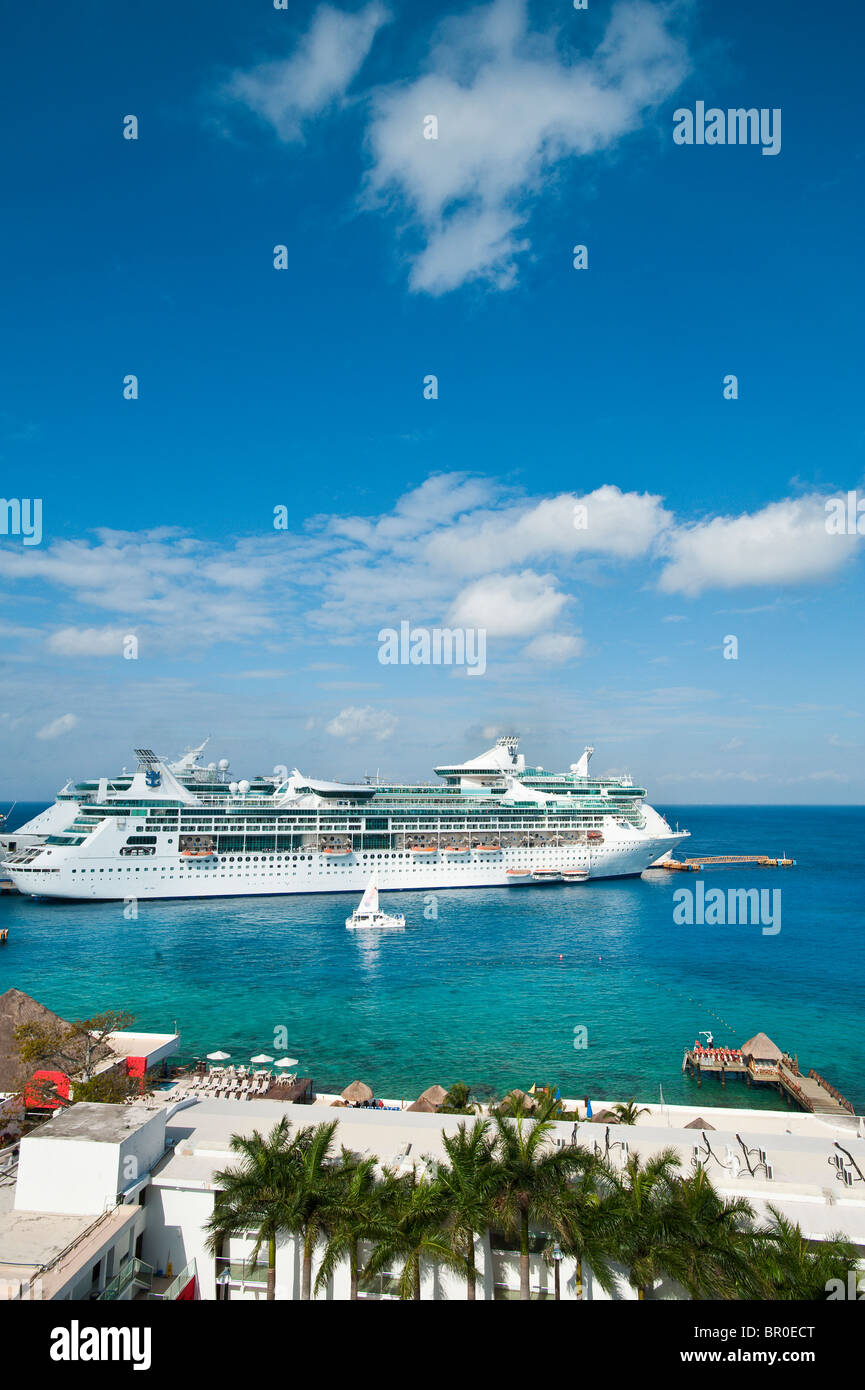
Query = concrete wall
x=175 y=1232
x=66 y=1175
x=81 y=1176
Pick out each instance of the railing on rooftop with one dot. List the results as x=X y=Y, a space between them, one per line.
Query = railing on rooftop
x=243 y=1271
x=132 y=1272
x=177 y=1285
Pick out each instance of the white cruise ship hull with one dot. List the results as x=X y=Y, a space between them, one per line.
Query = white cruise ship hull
x=93 y=878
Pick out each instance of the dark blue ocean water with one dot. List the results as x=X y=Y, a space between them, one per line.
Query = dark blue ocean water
x=491 y=990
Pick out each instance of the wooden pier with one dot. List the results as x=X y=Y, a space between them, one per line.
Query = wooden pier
x=763 y=861
x=760 y=1061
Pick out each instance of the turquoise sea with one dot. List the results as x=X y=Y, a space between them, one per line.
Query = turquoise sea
x=491 y=989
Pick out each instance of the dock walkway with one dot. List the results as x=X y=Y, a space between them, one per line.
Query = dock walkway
x=812 y=1092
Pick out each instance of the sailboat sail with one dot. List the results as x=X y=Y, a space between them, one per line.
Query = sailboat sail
x=369 y=901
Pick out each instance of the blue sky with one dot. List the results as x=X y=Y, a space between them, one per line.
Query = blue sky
x=304 y=388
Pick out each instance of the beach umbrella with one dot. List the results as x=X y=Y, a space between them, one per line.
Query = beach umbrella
x=699 y=1123
x=358 y=1090
x=422 y=1105
x=436 y=1095
x=285 y=1062
x=260 y=1059
x=218 y=1056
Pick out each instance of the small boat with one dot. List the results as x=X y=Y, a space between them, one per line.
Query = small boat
x=575 y=875
x=456 y=849
x=596 y=835
x=368 y=913
x=340 y=852
x=424 y=849
x=488 y=849
x=519 y=875
x=197 y=853
x=4 y=936
x=546 y=875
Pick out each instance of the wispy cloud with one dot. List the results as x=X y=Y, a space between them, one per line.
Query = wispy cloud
x=290 y=91
x=457 y=549
x=510 y=108
x=62 y=725
x=355 y=724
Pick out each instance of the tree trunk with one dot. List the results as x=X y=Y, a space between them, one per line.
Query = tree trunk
x=579 y=1276
x=271 y=1269
x=472 y=1274
x=306 y=1283
x=524 y=1255
x=416 y=1271
x=352 y=1265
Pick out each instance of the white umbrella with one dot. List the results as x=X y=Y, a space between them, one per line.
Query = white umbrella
x=261 y=1058
x=218 y=1056
x=286 y=1062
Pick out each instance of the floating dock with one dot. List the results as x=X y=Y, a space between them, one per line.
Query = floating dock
x=760 y=1060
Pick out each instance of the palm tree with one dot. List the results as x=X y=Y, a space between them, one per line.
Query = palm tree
x=648 y=1221
x=255 y=1195
x=586 y=1228
x=352 y=1215
x=467 y=1184
x=628 y=1112
x=788 y=1266
x=412 y=1227
x=458 y=1100
x=311 y=1192
x=715 y=1255
x=530 y=1180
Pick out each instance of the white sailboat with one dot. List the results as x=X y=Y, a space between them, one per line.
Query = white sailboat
x=368 y=913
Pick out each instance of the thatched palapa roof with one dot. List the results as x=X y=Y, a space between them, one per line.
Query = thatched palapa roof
x=17 y=1008
x=763 y=1047
x=358 y=1090
x=436 y=1095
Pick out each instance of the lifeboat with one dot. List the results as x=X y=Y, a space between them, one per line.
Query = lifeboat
x=339 y=853
x=546 y=875
x=456 y=849
x=595 y=835
x=424 y=849
x=198 y=853
x=519 y=875
x=488 y=849
x=575 y=875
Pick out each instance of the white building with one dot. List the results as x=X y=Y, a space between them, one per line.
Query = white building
x=122 y=1184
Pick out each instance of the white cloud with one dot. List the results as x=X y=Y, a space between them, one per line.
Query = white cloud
x=509 y=108
x=509 y=605
x=784 y=543
x=456 y=549
x=354 y=724
x=554 y=648
x=59 y=726
x=321 y=69
x=86 y=641
x=623 y=525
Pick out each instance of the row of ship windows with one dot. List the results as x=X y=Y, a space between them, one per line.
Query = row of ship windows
x=329 y=869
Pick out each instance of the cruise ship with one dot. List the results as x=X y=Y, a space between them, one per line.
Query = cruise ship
x=181 y=830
